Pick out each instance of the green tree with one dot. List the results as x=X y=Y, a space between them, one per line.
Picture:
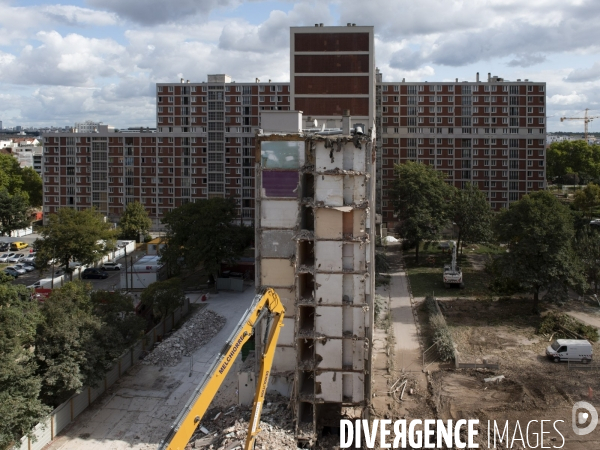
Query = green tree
x=73 y=347
x=203 y=233
x=117 y=312
x=20 y=404
x=573 y=157
x=587 y=245
x=32 y=185
x=72 y=235
x=587 y=199
x=163 y=297
x=10 y=174
x=14 y=211
x=134 y=221
x=472 y=215
x=539 y=232
x=421 y=200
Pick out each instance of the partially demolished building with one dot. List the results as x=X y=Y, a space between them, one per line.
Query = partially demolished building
x=314 y=234
x=315 y=224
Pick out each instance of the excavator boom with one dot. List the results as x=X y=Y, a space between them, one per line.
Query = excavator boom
x=266 y=302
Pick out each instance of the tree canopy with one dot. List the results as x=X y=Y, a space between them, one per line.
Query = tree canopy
x=203 y=233
x=14 y=211
x=573 y=157
x=15 y=179
x=587 y=199
x=74 y=347
x=421 y=200
x=20 y=403
x=163 y=297
x=32 y=185
x=587 y=246
x=134 y=221
x=538 y=231
x=72 y=235
x=472 y=215
x=117 y=312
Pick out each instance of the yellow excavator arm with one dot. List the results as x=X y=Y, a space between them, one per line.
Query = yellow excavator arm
x=266 y=302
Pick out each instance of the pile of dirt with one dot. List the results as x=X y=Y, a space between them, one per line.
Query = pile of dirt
x=194 y=333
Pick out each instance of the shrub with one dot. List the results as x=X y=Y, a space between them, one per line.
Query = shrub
x=441 y=333
x=563 y=326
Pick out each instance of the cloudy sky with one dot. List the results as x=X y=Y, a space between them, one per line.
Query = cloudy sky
x=99 y=59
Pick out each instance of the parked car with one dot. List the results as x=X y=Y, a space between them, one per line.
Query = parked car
x=16 y=258
x=40 y=283
x=111 y=265
x=17 y=269
x=25 y=267
x=94 y=273
x=29 y=264
x=18 y=245
x=4 y=246
x=570 y=350
x=5 y=256
x=11 y=272
x=29 y=258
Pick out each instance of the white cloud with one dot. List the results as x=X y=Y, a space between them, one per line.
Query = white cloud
x=569 y=99
x=66 y=63
x=74 y=15
x=153 y=12
x=71 y=60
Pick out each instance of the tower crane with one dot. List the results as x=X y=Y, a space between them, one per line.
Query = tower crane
x=586 y=119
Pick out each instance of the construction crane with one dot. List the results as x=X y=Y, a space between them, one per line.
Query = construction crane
x=266 y=304
x=452 y=273
x=586 y=119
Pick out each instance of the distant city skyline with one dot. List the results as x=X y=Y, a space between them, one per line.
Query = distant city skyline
x=99 y=60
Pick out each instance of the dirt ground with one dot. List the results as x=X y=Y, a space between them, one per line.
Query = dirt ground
x=534 y=388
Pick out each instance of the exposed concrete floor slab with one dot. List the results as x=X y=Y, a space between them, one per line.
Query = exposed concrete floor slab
x=139 y=409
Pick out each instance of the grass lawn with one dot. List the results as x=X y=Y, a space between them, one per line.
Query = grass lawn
x=426 y=276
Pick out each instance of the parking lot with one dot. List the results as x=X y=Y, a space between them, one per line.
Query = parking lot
x=113 y=282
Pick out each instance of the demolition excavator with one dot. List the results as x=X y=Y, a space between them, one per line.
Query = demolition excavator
x=265 y=305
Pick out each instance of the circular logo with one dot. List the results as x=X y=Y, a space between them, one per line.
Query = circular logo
x=580 y=417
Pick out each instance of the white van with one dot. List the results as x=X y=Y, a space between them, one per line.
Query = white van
x=570 y=350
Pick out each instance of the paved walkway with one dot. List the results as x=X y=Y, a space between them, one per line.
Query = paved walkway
x=408 y=350
x=138 y=410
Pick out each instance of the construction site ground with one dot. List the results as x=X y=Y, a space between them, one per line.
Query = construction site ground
x=490 y=330
x=139 y=409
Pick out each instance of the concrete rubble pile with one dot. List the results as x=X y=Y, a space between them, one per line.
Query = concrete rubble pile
x=227 y=429
x=194 y=333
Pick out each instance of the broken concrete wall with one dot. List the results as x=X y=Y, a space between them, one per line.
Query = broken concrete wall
x=285 y=359
x=328 y=256
x=278 y=213
x=277 y=244
x=277 y=272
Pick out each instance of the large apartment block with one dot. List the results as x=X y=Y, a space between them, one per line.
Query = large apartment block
x=203 y=147
x=490 y=133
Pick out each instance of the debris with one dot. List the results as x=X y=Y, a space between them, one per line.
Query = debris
x=194 y=333
x=204 y=430
x=494 y=379
x=277 y=428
